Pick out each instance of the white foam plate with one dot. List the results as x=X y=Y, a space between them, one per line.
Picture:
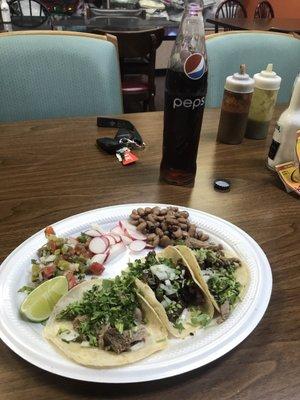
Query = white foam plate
x=25 y=338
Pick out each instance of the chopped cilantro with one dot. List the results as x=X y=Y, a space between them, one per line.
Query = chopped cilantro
x=112 y=304
x=224 y=286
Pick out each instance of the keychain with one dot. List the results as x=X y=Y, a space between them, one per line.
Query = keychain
x=126 y=139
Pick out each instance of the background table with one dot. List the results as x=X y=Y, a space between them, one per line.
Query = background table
x=51 y=169
x=274 y=24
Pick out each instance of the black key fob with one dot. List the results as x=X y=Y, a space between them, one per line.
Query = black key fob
x=103 y=122
x=109 y=145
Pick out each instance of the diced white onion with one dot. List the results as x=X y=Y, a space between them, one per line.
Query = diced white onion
x=184 y=315
x=207 y=273
x=169 y=289
x=68 y=336
x=166 y=302
x=163 y=272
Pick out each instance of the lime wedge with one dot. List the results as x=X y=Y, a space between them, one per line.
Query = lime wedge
x=40 y=302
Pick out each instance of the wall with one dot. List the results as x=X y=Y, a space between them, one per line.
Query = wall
x=282 y=8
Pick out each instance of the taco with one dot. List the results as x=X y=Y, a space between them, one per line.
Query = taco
x=169 y=285
x=105 y=323
x=222 y=277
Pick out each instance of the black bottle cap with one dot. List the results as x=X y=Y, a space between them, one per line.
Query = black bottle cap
x=223 y=185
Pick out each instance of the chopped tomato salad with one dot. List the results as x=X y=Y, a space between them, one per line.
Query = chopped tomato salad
x=69 y=257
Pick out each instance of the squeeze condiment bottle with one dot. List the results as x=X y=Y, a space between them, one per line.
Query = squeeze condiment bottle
x=266 y=86
x=282 y=148
x=235 y=107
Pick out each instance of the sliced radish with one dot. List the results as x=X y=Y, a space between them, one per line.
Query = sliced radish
x=135 y=235
x=137 y=245
x=110 y=239
x=116 y=237
x=99 y=258
x=126 y=240
x=92 y=233
x=117 y=231
x=131 y=231
x=98 y=245
x=98 y=228
x=115 y=251
x=124 y=225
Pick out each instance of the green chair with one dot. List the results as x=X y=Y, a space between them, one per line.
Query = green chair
x=50 y=74
x=256 y=49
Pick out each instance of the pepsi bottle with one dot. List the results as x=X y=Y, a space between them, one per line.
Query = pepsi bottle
x=185 y=91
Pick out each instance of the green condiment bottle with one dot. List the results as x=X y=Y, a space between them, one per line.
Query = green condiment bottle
x=267 y=84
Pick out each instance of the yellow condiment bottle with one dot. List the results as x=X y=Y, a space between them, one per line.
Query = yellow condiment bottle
x=267 y=84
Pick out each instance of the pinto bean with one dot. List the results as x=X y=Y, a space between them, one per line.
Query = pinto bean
x=150 y=224
x=141 y=226
x=134 y=216
x=156 y=241
x=134 y=222
x=165 y=241
x=151 y=236
x=150 y=217
x=192 y=231
x=183 y=226
x=178 y=234
x=204 y=237
x=159 y=232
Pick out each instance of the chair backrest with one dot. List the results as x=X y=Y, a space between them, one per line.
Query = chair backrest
x=226 y=51
x=264 y=10
x=138 y=44
x=231 y=9
x=133 y=44
x=28 y=13
x=51 y=74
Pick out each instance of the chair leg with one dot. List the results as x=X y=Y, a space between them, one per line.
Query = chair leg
x=216 y=28
x=146 y=104
x=151 y=103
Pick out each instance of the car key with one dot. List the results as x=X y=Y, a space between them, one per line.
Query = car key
x=104 y=122
x=109 y=145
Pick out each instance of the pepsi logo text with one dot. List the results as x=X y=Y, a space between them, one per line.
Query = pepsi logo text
x=188 y=103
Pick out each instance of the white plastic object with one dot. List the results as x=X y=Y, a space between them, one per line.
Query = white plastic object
x=284 y=138
x=240 y=82
x=204 y=347
x=5 y=12
x=267 y=79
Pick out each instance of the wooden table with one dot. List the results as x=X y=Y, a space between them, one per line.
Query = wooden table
x=51 y=169
x=274 y=24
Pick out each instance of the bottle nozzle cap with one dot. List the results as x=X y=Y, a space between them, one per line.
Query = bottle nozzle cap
x=267 y=79
x=240 y=82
